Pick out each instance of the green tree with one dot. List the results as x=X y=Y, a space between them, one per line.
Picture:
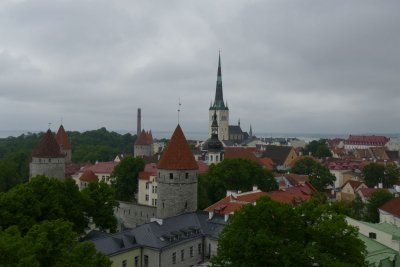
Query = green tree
x=125 y=176
x=373 y=174
x=304 y=166
x=42 y=199
x=320 y=177
x=275 y=234
x=318 y=148
x=100 y=204
x=357 y=208
x=376 y=199
x=233 y=174
x=50 y=243
x=392 y=174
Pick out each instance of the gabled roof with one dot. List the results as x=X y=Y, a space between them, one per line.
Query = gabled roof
x=372 y=140
x=235 y=129
x=392 y=207
x=177 y=155
x=88 y=176
x=145 y=138
x=278 y=154
x=62 y=138
x=102 y=167
x=354 y=184
x=48 y=147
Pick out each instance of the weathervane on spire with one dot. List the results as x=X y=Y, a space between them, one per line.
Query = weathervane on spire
x=179 y=108
x=49 y=125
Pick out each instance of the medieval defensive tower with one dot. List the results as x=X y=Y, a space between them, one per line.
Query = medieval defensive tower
x=176 y=178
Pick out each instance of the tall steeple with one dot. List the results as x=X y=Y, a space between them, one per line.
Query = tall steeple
x=219 y=98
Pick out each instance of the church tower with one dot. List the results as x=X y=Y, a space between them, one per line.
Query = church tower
x=219 y=107
x=214 y=147
x=176 y=178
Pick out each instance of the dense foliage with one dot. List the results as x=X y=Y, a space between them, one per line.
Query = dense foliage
x=49 y=243
x=125 y=176
x=232 y=174
x=376 y=199
x=274 y=234
x=50 y=199
x=320 y=177
x=318 y=148
x=375 y=173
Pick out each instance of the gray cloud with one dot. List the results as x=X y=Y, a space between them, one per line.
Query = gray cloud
x=288 y=66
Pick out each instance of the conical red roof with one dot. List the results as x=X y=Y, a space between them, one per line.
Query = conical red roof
x=62 y=138
x=177 y=155
x=89 y=176
x=48 y=147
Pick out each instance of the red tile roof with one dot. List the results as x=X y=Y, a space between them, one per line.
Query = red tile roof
x=88 y=176
x=353 y=184
x=203 y=168
x=145 y=175
x=249 y=154
x=63 y=139
x=48 y=147
x=102 y=167
x=145 y=138
x=291 y=195
x=365 y=192
x=372 y=140
x=392 y=206
x=177 y=155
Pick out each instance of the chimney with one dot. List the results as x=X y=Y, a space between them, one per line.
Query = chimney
x=210 y=215
x=139 y=121
x=255 y=188
x=226 y=217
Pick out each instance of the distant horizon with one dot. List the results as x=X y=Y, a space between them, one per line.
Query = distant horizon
x=202 y=135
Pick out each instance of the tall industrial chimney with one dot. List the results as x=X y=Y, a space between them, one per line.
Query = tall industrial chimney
x=139 y=121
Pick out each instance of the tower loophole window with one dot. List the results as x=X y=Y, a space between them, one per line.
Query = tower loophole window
x=171 y=175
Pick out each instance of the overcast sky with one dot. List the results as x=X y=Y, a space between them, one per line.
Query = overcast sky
x=287 y=66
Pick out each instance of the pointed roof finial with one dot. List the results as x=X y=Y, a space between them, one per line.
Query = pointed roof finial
x=179 y=109
x=219 y=99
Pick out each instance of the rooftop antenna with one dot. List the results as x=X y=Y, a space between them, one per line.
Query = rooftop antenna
x=179 y=108
x=61 y=120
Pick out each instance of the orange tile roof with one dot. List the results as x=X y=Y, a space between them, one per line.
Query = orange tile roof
x=392 y=206
x=63 y=139
x=48 y=147
x=177 y=155
x=145 y=175
x=89 y=176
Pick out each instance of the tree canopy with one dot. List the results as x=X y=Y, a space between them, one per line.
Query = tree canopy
x=318 y=148
x=320 y=177
x=274 y=234
x=49 y=199
x=375 y=173
x=232 y=174
x=49 y=243
x=125 y=177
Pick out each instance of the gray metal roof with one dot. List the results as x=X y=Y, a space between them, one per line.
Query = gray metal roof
x=173 y=230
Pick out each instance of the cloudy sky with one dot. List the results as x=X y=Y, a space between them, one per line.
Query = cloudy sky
x=287 y=66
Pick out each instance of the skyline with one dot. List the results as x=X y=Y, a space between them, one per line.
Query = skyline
x=287 y=67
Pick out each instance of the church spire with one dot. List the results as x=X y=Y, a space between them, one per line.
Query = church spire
x=219 y=99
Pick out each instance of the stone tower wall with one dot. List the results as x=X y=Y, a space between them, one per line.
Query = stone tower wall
x=143 y=150
x=177 y=195
x=67 y=153
x=223 y=123
x=50 y=167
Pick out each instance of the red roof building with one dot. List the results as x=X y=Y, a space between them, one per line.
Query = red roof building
x=88 y=176
x=177 y=155
x=145 y=138
x=390 y=212
x=365 y=141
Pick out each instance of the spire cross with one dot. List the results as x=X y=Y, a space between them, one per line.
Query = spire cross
x=179 y=108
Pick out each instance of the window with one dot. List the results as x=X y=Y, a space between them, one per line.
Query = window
x=171 y=175
x=155 y=202
x=154 y=189
x=49 y=160
x=187 y=175
x=199 y=249
x=146 y=261
x=147 y=197
x=136 y=261
x=147 y=185
x=216 y=158
x=372 y=235
x=124 y=263
x=174 y=258
x=211 y=158
x=191 y=251
x=182 y=255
